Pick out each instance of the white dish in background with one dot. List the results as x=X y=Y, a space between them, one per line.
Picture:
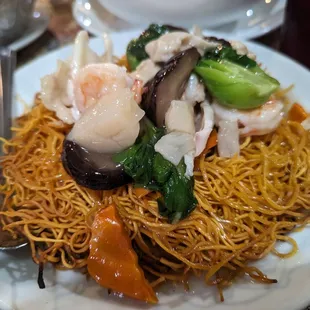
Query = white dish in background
x=71 y=290
x=38 y=24
x=182 y=13
x=257 y=21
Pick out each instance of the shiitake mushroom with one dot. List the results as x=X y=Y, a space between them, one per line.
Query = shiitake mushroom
x=91 y=169
x=168 y=84
x=222 y=42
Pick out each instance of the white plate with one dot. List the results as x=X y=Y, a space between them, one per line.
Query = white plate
x=256 y=21
x=71 y=290
x=37 y=26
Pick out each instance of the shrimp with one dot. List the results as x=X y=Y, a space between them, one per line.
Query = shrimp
x=97 y=80
x=111 y=125
x=58 y=88
x=138 y=89
x=259 y=121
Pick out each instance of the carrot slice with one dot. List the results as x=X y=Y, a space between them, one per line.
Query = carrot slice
x=123 y=62
x=212 y=142
x=297 y=113
x=112 y=262
x=141 y=192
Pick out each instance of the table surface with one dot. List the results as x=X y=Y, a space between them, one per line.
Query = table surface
x=62 y=29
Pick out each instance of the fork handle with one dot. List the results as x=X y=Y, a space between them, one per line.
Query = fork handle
x=7 y=68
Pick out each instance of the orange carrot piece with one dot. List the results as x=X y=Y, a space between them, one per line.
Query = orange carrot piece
x=297 y=113
x=123 y=62
x=112 y=262
x=141 y=192
x=212 y=142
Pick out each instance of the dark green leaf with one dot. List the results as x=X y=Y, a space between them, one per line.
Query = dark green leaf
x=229 y=53
x=162 y=169
x=178 y=195
x=151 y=170
x=136 y=48
x=138 y=159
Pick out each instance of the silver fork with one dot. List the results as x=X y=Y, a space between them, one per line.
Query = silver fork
x=7 y=67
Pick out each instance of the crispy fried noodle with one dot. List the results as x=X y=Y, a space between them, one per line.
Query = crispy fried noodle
x=246 y=204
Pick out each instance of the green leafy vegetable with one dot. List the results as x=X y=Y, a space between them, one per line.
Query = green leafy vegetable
x=178 y=194
x=162 y=169
x=136 y=48
x=228 y=53
x=235 y=81
x=138 y=159
x=151 y=170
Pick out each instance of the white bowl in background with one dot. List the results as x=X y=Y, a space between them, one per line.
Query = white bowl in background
x=179 y=12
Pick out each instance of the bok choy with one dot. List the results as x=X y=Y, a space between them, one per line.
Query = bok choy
x=235 y=80
x=151 y=170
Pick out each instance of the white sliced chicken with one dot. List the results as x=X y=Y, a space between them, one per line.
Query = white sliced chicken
x=207 y=124
x=194 y=93
x=180 y=117
x=54 y=92
x=228 y=139
x=179 y=142
x=82 y=54
x=174 y=145
x=189 y=163
x=241 y=49
x=145 y=71
x=108 y=46
x=168 y=45
x=111 y=125
x=195 y=90
x=197 y=31
x=259 y=121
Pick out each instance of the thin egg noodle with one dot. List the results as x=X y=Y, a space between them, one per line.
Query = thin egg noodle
x=246 y=204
